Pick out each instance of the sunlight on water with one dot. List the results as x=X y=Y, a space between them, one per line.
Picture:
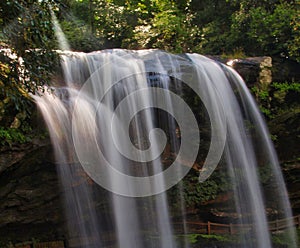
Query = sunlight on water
x=60 y=36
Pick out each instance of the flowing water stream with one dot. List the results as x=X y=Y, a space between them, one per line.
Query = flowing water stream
x=113 y=122
x=104 y=120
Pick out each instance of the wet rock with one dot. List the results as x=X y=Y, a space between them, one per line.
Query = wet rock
x=255 y=70
x=30 y=196
x=285 y=128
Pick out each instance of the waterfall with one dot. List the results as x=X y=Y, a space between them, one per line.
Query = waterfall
x=117 y=115
x=60 y=36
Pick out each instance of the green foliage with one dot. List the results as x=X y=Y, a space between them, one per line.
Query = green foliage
x=80 y=36
x=9 y=136
x=167 y=28
x=285 y=87
x=213 y=27
x=196 y=193
x=264 y=27
x=280 y=97
x=222 y=240
x=270 y=29
x=27 y=30
x=192 y=238
x=140 y=24
x=263 y=97
x=26 y=65
x=213 y=20
x=27 y=24
x=283 y=238
x=200 y=193
x=205 y=240
x=265 y=174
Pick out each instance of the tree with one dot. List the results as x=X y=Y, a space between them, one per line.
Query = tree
x=28 y=64
x=264 y=27
x=270 y=30
x=145 y=24
x=169 y=27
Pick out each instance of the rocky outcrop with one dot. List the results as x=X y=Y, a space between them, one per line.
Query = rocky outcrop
x=285 y=128
x=254 y=70
x=30 y=204
x=264 y=70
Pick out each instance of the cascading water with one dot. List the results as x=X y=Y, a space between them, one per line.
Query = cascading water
x=106 y=124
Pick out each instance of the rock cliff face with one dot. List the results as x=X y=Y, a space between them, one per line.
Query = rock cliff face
x=286 y=129
x=30 y=204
